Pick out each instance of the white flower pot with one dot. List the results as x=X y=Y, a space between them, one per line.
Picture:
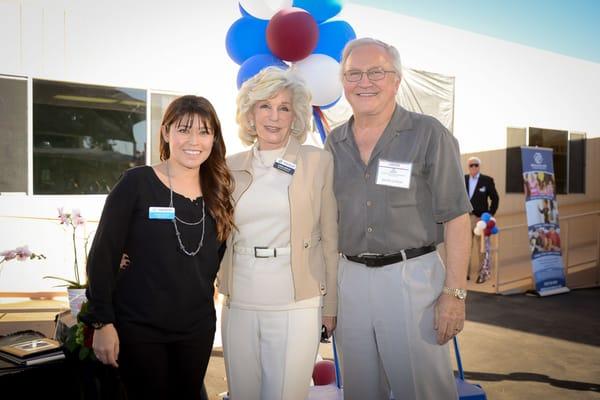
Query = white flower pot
x=76 y=299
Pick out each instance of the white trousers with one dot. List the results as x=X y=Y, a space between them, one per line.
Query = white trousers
x=385 y=334
x=270 y=355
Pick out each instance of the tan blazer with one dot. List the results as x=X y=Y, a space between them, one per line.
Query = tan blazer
x=314 y=234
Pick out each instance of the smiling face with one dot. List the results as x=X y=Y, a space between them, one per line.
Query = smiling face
x=273 y=119
x=367 y=97
x=190 y=141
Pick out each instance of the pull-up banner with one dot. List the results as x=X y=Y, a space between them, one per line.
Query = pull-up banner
x=542 y=221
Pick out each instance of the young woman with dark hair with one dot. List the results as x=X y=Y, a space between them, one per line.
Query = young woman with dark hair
x=154 y=318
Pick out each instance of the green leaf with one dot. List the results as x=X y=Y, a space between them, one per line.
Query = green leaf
x=71 y=346
x=84 y=353
x=69 y=283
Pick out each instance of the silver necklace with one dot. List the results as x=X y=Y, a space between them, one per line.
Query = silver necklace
x=201 y=221
x=260 y=158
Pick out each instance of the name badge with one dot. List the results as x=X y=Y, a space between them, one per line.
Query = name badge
x=161 y=213
x=285 y=166
x=395 y=174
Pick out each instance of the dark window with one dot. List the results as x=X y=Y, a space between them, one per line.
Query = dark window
x=85 y=136
x=577 y=163
x=13 y=135
x=515 y=138
x=568 y=157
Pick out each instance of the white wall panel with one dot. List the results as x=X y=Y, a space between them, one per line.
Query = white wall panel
x=10 y=37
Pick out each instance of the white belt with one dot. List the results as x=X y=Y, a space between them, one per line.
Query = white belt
x=262 y=252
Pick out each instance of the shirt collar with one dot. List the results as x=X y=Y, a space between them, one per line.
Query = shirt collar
x=401 y=120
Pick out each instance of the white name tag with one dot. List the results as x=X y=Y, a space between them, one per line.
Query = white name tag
x=395 y=174
x=161 y=213
x=285 y=166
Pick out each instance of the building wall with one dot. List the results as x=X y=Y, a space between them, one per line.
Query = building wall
x=580 y=231
x=179 y=46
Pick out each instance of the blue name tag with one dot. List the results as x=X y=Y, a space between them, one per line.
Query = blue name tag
x=161 y=213
x=285 y=166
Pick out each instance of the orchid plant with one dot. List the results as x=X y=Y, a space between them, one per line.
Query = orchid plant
x=72 y=221
x=20 y=254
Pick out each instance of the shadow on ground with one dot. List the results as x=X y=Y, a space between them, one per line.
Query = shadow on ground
x=532 y=377
x=573 y=316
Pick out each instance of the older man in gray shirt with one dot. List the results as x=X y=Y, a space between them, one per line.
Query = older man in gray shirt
x=397 y=175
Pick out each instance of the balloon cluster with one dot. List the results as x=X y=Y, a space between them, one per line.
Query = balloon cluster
x=486 y=225
x=275 y=33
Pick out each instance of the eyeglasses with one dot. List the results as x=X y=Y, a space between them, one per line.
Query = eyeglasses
x=473 y=165
x=374 y=74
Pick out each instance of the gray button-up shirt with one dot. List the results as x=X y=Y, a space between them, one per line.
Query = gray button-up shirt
x=384 y=219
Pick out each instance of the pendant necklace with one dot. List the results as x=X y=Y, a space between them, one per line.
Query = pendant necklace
x=260 y=158
x=200 y=221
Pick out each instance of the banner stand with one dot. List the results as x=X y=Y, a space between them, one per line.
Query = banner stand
x=543 y=228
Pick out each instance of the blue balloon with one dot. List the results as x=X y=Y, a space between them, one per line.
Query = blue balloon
x=494 y=230
x=255 y=64
x=244 y=12
x=320 y=9
x=333 y=36
x=246 y=37
x=333 y=103
x=485 y=217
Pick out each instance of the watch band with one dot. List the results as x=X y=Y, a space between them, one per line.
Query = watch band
x=459 y=293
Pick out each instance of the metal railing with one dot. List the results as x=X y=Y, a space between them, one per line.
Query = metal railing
x=565 y=236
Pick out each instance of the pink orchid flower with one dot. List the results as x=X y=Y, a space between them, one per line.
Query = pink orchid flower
x=62 y=216
x=8 y=255
x=23 y=253
x=76 y=217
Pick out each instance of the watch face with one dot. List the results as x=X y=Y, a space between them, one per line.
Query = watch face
x=461 y=294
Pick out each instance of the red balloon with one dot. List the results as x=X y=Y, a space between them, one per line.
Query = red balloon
x=487 y=231
x=324 y=373
x=491 y=224
x=292 y=34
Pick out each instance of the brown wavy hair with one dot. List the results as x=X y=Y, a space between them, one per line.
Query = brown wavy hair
x=216 y=181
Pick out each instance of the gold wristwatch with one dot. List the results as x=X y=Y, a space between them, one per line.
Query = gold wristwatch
x=460 y=294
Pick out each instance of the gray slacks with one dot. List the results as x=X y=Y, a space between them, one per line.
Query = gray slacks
x=385 y=333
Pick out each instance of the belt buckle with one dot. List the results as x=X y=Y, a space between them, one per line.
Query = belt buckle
x=263 y=248
x=371 y=260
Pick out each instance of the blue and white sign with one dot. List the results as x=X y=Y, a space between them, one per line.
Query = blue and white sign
x=542 y=220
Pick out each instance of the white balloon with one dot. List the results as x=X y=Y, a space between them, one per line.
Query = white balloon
x=321 y=74
x=477 y=231
x=264 y=9
x=481 y=225
x=493 y=219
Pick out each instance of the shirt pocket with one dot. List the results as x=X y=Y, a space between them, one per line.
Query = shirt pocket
x=406 y=197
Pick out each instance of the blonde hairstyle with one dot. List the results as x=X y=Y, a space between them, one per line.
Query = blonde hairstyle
x=265 y=85
x=391 y=50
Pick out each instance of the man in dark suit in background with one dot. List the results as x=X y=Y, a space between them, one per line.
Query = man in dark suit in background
x=481 y=191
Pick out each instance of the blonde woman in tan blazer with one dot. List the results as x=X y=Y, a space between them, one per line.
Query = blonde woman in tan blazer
x=279 y=272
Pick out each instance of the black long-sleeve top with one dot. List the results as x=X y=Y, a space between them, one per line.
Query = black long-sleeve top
x=163 y=294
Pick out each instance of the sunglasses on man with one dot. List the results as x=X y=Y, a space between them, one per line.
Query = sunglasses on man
x=473 y=165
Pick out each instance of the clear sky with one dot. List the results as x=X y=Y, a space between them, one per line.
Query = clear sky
x=569 y=27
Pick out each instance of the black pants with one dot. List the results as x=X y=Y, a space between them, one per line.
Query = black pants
x=166 y=370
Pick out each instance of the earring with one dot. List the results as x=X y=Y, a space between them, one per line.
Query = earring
x=252 y=126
